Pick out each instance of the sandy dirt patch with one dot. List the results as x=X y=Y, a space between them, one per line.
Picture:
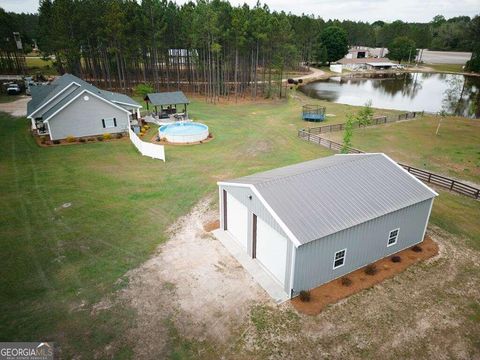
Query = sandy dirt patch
x=334 y=291
x=193 y=282
x=16 y=108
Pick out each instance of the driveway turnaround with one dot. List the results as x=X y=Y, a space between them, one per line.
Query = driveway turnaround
x=16 y=108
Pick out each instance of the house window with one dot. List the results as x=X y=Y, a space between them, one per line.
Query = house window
x=393 y=237
x=109 y=123
x=339 y=258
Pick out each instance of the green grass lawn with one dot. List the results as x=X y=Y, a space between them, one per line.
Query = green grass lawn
x=450 y=68
x=5 y=98
x=59 y=261
x=453 y=152
x=45 y=67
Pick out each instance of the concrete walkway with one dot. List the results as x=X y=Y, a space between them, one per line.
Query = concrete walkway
x=252 y=267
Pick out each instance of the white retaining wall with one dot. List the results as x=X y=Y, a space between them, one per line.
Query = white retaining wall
x=154 y=151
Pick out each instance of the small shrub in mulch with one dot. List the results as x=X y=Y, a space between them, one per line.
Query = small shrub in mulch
x=304 y=295
x=82 y=140
x=118 y=135
x=71 y=139
x=56 y=142
x=290 y=81
x=417 y=248
x=300 y=81
x=396 y=259
x=107 y=136
x=91 y=139
x=43 y=140
x=371 y=269
x=295 y=82
x=346 y=281
x=100 y=138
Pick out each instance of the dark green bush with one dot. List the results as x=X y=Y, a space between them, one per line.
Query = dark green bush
x=371 y=269
x=304 y=296
x=346 y=281
x=396 y=259
x=417 y=248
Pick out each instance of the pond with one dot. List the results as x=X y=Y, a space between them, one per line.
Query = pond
x=430 y=92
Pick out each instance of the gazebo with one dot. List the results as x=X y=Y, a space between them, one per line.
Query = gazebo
x=167 y=101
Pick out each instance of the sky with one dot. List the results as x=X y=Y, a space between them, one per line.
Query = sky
x=365 y=10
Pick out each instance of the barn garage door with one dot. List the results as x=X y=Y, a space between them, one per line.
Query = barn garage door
x=271 y=250
x=237 y=220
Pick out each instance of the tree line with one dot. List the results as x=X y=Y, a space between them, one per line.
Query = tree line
x=208 y=47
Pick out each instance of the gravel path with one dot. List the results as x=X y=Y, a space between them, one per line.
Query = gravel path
x=16 y=108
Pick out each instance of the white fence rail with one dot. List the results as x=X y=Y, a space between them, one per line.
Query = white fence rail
x=154 y=151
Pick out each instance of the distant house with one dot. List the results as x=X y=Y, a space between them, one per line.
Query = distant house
x=70 y=106
x=312 y=222
x=355 y=64
x=357 y=53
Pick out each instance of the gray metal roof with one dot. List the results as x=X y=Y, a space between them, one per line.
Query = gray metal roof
x=39 y=94
x=41 y=97
x=168 y=98
x=323 y=196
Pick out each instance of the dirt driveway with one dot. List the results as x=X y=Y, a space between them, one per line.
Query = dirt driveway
x=17 y=107
x=192 y=282
x=194 y=292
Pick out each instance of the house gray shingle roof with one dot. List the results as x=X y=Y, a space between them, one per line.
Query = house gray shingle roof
x=44 y=93
x=168 y=98
x=320 y=197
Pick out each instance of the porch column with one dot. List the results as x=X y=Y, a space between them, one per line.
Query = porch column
x=138 y=113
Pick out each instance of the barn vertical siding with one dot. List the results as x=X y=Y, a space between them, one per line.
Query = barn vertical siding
x=365 y=243
x=255 y=206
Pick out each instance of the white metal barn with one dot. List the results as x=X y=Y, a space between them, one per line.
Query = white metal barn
x=312 y=222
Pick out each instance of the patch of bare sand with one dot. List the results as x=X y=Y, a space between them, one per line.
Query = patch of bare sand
x=193 y=281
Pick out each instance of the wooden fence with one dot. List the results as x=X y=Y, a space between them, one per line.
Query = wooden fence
x=317 y=139
x=423 y=175
x=379 y=120
x=443 y=181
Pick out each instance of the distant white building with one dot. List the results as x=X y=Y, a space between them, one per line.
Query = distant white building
x=367 y=64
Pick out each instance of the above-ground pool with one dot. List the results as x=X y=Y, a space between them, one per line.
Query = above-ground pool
x=183 y=132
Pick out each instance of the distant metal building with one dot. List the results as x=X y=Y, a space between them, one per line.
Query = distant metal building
x=312 y=222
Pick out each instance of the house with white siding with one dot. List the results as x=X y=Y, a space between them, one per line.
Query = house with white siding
x=307 y=224
x=70 y=106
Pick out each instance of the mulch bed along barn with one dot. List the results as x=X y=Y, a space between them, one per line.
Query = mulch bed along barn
x=334 y=290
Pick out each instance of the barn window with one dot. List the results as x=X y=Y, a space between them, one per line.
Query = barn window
x=393 y=237
x=339 y=258
x=109 y=123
